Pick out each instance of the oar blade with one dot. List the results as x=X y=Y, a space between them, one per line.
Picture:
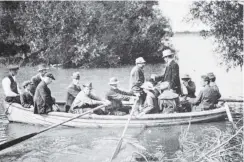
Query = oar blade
x=16 y=141
x=117 y=149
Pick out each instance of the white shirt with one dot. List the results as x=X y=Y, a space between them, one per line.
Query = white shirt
x=6 y=87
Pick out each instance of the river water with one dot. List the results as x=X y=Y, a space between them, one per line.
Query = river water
x=91 y=145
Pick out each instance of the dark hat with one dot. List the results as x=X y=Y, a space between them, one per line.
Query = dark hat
x=26 y=83
x=42 y=67
x=89 y=85
x=13 y=67
x=205 y=78
x=50 y=75
x=211 y=75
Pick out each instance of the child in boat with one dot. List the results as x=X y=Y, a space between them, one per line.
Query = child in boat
x=168 y=100
x=151 y=102
x=85 y=101
x=26 y=97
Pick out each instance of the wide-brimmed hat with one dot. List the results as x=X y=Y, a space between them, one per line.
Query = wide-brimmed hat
x=113 y=80
x=26 y=83
x=147 y=85
x=140 y=60
x=76 y=75
x=205 y=78
x=13 y=67
x=50 y=75
x=88 y=85
x=186 y=76
x=211 y=75
x=164 y=85
x=168 y=95
x=167 y=52
x=42 y=67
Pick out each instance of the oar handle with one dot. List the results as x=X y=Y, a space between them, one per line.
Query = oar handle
x=88 y=112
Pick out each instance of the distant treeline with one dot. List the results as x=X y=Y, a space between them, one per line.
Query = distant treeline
x=82 y=34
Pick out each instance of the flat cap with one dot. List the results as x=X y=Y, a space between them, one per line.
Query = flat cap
x=50 y=75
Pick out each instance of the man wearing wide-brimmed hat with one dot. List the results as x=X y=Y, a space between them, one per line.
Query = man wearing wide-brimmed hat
x=10 y=85
x=150 y=105
x=116 y=96
x=85 y=101
x=189 y=85
x=171 y=74
x=43 y=100
x=42 y=69
x=73 y=90
x=206 y=98
x=26 y=97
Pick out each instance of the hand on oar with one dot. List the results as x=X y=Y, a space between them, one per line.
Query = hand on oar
x=23 y=138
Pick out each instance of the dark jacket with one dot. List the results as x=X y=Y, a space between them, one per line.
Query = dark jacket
x=43 y=100
x=26 y=100
x=172 y=76
x=116 y=96
x=136 y=79
x=35 y=80
x=13 y=84
x=191 y=89
x=214 y=86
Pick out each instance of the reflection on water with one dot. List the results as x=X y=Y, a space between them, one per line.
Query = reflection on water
x=69 y=144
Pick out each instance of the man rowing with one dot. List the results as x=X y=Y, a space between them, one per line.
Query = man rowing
x=86 y=101
x=116 y=96
x=10 y=86
x=43 y=100
x=73 y=90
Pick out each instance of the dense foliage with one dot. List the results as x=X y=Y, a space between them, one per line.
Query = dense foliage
x=87 y=34
x=225 y=19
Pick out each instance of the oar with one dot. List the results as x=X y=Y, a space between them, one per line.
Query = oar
x=227 y=109
x=23 y=138
x=123 y=134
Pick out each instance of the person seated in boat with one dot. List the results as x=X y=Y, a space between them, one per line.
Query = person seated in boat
x=206 y=97
x=154 y=83
x=85 y=101
x=73 y=90
x=26 y=97
x=189 y=85
x=10 y=86
x=214 y=86
x=43 y=100
x=116 y=96
x=150 y=105
x=42 y=69
x=168 y=100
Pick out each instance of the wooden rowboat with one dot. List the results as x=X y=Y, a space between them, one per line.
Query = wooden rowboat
x=16 y=113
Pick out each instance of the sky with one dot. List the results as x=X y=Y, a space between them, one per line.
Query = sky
x=176 y=10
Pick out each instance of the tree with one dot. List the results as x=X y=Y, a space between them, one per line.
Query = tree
x=225 y=19
x=87 y=34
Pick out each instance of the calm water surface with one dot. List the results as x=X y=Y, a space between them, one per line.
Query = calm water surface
x=92 y=145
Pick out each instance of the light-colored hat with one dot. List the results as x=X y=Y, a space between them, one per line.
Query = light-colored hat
x=13 y=67
x=42 y=67
x=167 y=52
x=88 y=85
x=147 y=85
x=205 y=78
x=164 y=85
x=211 y=75
x=140 y=60
x=186 y=76
x=113 y=80
x=76 y=75
x=26 y=83
x=168 y=95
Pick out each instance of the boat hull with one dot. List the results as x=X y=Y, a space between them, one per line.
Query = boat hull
x=16 y=113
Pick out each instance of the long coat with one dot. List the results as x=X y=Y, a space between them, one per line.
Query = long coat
x=173 y=77
x=43 y=100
